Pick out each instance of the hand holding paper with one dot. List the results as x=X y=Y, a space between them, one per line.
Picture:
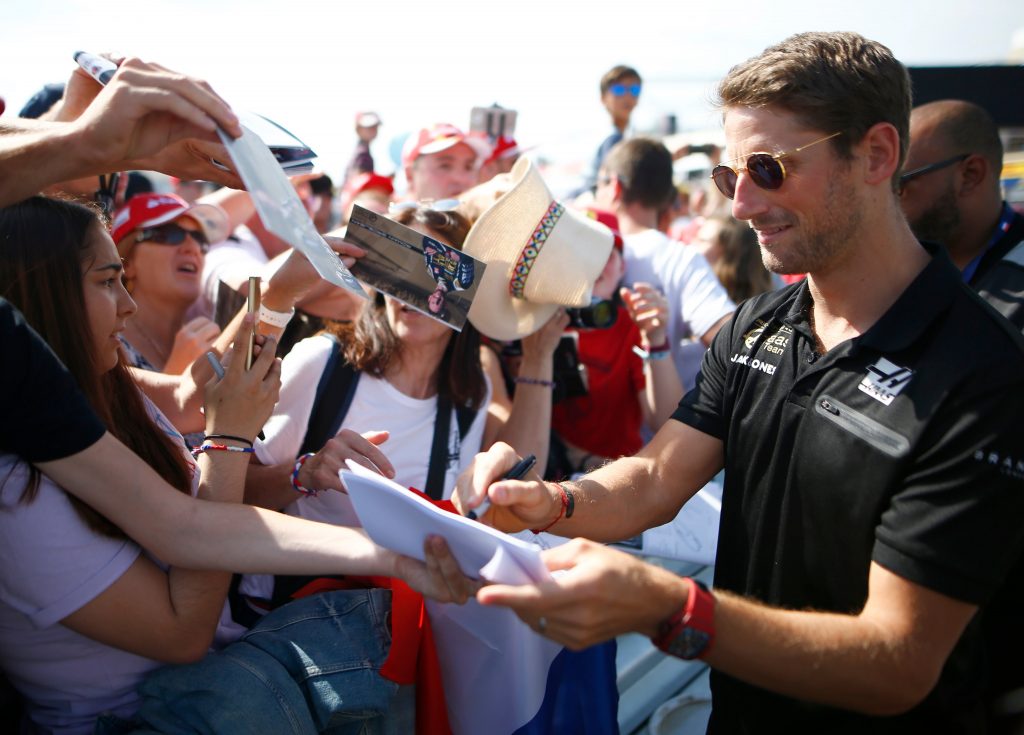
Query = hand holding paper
x=401 y=521
x=281 y=210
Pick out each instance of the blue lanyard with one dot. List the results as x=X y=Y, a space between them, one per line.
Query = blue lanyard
x=1005 y=220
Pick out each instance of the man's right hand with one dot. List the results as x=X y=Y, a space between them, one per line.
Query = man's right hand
x=515 y=504
x=149 y=117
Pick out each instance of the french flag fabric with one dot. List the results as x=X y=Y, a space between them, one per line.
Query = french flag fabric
x=499 y=676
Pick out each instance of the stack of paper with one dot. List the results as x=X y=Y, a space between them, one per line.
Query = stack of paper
x=401 y=521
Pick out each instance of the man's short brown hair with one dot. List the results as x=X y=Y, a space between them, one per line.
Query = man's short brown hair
x=832 y=82
x=643 y=167
x=616 y=74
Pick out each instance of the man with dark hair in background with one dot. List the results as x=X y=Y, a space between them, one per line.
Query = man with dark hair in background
x=950 y=194
x=868 y=419
x=635 y=183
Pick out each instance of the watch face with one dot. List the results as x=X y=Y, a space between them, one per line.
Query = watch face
x=690 y=643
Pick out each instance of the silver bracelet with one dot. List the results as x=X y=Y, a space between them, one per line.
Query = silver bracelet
x=277 y=319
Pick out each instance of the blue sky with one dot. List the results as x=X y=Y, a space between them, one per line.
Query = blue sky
x=311 y=65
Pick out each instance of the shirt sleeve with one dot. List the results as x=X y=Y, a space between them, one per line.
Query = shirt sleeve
x=46 y=417
x=301 y=371
x=53 y=562
x=955 y=526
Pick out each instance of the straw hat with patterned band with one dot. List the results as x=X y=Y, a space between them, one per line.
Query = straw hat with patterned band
x=152 y=209
x=541 y=256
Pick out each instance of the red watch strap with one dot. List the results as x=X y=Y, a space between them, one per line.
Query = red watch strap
x=698 y=614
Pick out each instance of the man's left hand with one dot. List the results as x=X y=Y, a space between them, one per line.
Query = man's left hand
x=599 y=594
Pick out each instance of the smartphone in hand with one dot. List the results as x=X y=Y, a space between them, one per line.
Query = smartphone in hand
x=253 y=307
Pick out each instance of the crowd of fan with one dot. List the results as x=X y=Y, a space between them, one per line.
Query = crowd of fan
x=108 y=563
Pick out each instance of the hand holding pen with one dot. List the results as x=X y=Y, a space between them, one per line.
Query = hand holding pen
x=518 y=472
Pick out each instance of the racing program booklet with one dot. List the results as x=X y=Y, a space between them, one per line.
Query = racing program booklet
x=431 y=277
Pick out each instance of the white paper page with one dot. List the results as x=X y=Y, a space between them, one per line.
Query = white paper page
x=693 y=534
x=281 y=210
x=401 y=521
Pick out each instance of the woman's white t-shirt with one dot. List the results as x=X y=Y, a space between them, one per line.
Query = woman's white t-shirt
x=376 y=406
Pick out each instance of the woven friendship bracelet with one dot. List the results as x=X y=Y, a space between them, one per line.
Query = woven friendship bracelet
x=521 y=271
x=211 y=447
x=295 y=476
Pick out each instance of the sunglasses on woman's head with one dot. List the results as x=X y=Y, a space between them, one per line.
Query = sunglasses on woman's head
x=173 y=234
x=764 y=169
x=621 y=90
x=437 y=205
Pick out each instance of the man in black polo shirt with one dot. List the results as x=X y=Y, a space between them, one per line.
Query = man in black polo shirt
x=868 y=422
x=950 y=194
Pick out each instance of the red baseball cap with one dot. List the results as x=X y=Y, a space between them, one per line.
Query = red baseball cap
x=609 y=220
x=441 y=137
x=149 y=210
x=369 y=180
x=504 y=147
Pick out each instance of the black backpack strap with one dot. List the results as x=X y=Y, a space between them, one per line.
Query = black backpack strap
x=438 y=467
x=333 y=397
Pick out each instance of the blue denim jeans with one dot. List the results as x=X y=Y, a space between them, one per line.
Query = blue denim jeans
x=311 y=666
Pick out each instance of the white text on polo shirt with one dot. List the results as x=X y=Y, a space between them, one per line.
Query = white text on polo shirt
x=885 y=380
x=754 y=364
x=1007 y=465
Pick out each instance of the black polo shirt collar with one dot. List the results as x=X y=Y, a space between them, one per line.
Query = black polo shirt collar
x=930 y=293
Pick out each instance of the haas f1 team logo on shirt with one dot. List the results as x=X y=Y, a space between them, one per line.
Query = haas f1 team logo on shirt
x=766 y=358
x=885 y=380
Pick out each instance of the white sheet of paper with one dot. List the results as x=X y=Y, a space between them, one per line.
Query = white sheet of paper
x=693 y=534
x=401 y=521
x=280 y=208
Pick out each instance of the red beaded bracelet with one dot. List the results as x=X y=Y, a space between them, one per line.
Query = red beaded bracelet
x=568 y=506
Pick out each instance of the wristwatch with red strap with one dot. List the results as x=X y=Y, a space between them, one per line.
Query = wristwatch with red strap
x=690 y=631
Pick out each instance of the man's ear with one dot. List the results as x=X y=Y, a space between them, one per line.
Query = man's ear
x=616 y=184
x=880 y=148
x=973 y=173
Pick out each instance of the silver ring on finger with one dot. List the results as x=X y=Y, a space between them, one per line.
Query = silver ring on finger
x=542 y=624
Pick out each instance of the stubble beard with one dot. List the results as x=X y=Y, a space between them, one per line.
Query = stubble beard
x=939 y=221
x=825 y=237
